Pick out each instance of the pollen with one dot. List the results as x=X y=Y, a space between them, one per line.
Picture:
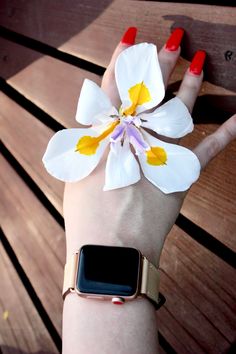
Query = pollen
x=87 y=145
x=138 y=94
x=156 y=156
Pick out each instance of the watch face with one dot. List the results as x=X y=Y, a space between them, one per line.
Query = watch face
x=108 y=270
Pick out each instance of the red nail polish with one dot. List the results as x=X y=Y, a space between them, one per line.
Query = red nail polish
x=129 y=36
x=197 y=62
x=174 y=40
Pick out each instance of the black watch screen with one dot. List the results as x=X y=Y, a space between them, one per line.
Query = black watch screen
x=108 y=270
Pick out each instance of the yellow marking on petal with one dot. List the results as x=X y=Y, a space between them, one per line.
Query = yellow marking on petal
x=5 y=315
x=87 y=145
x=138 y=94
x=156 y=156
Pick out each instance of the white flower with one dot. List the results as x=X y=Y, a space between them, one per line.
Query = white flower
x=73 y=154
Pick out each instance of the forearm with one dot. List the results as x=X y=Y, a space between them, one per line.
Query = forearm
x=93 y=326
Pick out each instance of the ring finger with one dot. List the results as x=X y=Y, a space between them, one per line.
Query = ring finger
x=192 y=81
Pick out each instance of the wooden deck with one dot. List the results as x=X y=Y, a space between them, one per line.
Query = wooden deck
x=47 y=48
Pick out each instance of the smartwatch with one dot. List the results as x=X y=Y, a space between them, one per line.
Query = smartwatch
x=117 y=274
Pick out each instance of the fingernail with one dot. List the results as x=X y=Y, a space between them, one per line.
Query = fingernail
x=129 y=36
x=197 y=62
x=174 y=40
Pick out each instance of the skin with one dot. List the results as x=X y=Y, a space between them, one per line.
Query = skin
x=139 y=216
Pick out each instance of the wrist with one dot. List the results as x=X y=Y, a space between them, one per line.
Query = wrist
x=102 y=327
x=138 y=216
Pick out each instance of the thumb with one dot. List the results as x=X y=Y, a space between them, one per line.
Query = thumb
x=216 y=142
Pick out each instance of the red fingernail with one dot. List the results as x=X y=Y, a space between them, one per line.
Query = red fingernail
x=174 y=40
x=129 y=36
x=197 y=62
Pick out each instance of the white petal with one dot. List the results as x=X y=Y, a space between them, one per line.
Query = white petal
x=182 y=167
x=172 y=119
x=121 y=169
x=92 y=101
x=139 y=63
x=63 y=162
x=105 y=118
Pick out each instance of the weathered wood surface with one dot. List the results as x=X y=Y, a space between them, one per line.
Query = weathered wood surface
x=26 y=138
x=199 y=316
x=195 y=285
x=36 y=238
x=203 y=279
x=93 y=29
x=54 y=86
x=34 y=81
x=21 y=328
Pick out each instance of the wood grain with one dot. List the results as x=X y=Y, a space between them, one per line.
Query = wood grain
x=39 y=81
x=22 y=330
x=93 y=33
x=199 y=316
x=198 y=287
x=200 y=278
x=36 y=238
x=27 y=138
x=52 y=85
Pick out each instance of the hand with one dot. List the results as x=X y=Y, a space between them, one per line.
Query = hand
x=140 y=215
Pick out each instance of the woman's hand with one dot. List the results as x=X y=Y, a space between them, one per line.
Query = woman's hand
x=140 y=215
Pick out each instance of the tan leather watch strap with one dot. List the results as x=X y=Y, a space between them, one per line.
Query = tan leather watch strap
x=150 y=281
x=70 y=274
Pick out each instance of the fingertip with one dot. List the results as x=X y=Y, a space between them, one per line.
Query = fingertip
x=127 y=40
x=129 y=36
x=173 y=42
x=197 y=62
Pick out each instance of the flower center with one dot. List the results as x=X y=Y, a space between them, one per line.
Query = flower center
x=129 y=127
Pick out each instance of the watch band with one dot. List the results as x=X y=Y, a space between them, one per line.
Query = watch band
x=150 y=281
x=70 y=274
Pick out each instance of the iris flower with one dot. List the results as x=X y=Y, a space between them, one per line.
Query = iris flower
x=72 y=154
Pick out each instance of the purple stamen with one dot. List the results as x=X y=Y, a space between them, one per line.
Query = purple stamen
x=117 y=133
x=136 y=139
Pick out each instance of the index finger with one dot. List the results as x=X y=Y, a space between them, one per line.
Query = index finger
x=108 y=82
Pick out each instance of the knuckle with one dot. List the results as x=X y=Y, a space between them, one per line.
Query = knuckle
x=168 y=58
x=192 y=84
x=109 y=74
x=214 y=145
x=230 y=128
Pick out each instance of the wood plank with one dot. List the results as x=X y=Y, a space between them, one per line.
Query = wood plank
x=213 y=31
x=22 y=330
x=36 y=238
x=183 y=312
x=196 y=304
x=36 y=77
x=211 y=201
x=212 y=195
x=64 y=79
x=201 y=277
x=26 y=138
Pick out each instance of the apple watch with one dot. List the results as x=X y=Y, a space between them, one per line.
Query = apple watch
x=112 y=273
